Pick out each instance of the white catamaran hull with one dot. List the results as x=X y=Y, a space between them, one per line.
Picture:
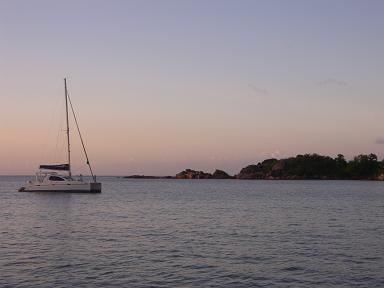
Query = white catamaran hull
x=79 y=187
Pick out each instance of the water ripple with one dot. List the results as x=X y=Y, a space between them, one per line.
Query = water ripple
x=168 y=233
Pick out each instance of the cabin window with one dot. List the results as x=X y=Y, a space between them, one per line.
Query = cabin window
x=55 y=178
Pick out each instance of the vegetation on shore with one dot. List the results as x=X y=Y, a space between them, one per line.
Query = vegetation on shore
x=314 y=166
x=301 y=167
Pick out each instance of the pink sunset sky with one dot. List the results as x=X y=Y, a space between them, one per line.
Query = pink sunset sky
x=160 y=86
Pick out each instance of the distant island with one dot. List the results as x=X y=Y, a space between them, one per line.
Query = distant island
x=301 y=167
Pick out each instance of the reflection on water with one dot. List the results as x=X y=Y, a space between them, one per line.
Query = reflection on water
x=162 y=233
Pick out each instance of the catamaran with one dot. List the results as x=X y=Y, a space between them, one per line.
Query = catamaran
x=58 y=177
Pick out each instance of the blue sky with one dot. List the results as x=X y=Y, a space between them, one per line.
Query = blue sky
x=165 y=85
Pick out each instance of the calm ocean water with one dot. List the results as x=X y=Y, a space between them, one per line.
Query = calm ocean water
x=194 y=233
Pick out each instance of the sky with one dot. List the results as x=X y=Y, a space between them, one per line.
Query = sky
x=161 y=86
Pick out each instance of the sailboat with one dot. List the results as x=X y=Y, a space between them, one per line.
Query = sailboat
x=58 y=177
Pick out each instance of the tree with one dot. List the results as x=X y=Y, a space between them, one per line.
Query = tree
x=363 y=166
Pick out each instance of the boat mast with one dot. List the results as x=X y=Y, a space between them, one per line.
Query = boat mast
x=81 y=138
x=66 y=115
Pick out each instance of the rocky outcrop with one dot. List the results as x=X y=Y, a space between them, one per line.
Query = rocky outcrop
x=220 y=174
x=277 y=170
x=259 y=171
x=192 y=174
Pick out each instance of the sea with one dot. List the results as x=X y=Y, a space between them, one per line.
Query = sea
x=194 y=233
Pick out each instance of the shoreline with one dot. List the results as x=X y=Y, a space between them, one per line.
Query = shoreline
x=300 y=167
x=241 y=179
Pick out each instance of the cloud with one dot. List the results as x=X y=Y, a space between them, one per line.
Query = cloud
x=271 y=154
x=258 y=90
x=275 y=154
x=380 y=140
x=332 y=81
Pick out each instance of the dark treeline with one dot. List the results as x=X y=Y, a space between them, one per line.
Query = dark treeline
x=307 y=166
x=314 y=166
